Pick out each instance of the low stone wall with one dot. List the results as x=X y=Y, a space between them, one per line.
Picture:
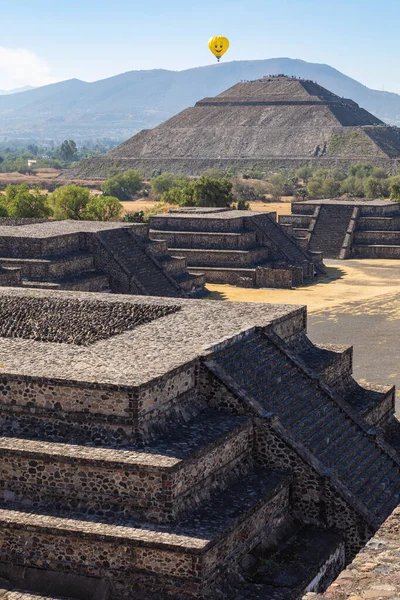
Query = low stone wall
x=107 y=482
x=221 y=275
x=34 y=247
x=375 y=571
x=10 y=277
x=378 y=224
x=210 y=240
x=274 y=278
x=375 y=251
x=377 y=237
x=47 y=270
x=196 y=223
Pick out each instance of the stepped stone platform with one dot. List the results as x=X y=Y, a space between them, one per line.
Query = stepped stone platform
x=180 y=449
x=351 y=228
x=244 y=248
x=267 y=124
x=92 y=257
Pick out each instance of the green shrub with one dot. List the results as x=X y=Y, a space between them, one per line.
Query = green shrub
x=124 y=185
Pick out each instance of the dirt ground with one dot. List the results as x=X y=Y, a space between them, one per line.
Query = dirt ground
x=281 y=208
x=357 y=303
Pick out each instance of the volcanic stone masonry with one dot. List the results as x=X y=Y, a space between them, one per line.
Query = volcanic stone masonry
x=244 y=248
x=189 y=450
x=275 y=122
x=91 y=256
x=351 y=228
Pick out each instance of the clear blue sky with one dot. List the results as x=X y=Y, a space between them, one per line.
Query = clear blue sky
x=52 y=40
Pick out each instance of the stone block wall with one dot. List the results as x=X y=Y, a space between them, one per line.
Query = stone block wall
x=10 y=277
x=274 y=278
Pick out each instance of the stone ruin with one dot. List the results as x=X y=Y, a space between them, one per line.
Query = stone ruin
x=190 y=450
x=350 y=228
x=244 y=248
x=266 y=124
x=91 y=257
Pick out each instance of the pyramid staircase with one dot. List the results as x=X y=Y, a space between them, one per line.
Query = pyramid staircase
x=340 y=230
x=325 y=428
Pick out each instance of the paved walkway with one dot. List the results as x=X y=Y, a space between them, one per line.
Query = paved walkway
x=357 y=303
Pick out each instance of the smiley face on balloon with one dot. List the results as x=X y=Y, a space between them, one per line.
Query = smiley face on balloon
x=218 y=45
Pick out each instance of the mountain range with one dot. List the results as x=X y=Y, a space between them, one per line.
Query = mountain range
x=119 y=106
x=16 y=90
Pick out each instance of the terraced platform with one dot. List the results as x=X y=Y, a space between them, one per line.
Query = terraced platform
x=92 y=257
x=187 y=449
x=237 y=247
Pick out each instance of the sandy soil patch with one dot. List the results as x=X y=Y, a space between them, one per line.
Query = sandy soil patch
x=346 y=281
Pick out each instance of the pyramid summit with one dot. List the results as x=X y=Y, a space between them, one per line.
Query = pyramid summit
x=276 y=121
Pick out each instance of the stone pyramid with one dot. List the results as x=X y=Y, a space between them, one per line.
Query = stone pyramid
x=272 y=122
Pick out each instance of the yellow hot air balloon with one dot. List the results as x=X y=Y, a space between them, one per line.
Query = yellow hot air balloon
x=218 y=45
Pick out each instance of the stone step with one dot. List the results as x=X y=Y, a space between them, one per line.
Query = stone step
x=307 y=562
x=377 y=237
x=52 y=268
x=89 y=281
x=300 y=232
x=376 y=251
x=300 y=221
x=378 y=224
x=173 y=265
x=242 y=240
x=230 y=276
x=85 y=413
x=158 y=482
x=195 y=555
x=191 y=283
x=223 y=258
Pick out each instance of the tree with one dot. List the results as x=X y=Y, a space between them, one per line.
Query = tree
x=134 y=217
x=124 y=185
x=301 y=193
x=68 y=149
x=395 y=191
x=164 y=182
x=353 y=187
x=22 y=203
x=243 y=205
x=361 y=170
x=212 y=192
x=103 y=208
x=330 y=188
x=69 y=202
x=304 y=173
x=372 y=187
x=205 y=191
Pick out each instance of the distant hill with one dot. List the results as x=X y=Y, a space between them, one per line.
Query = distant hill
x=16 y=90
x=119 y=106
